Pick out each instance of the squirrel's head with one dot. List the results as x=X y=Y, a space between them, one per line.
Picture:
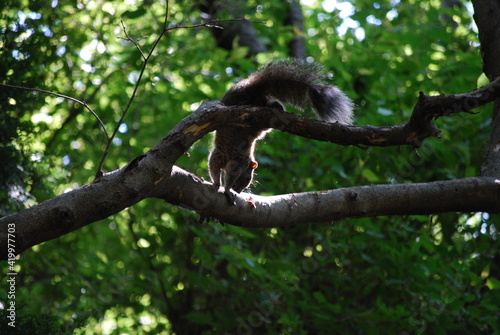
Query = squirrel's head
x=245 y=178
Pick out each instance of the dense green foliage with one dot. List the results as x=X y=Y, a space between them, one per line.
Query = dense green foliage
x=152 y=269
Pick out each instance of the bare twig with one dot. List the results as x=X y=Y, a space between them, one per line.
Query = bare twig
x=134 y=41
x=84 y=104
x=211 y=24
x=74 y=112
x=136 y=87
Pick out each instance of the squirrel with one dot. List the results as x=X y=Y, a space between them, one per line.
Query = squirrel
x=293 y=82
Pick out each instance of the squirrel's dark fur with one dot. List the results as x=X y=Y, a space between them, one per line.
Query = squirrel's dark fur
x=291 y=82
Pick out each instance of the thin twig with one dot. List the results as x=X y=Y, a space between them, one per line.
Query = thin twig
x=74 y=112
x=84 y=104
x=134 y=41
x=211 y=24
x=136 y=87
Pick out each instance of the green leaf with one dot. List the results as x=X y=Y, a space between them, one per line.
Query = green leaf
x=134 y=14
x=493 y=283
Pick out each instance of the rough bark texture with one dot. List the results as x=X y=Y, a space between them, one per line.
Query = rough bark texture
x=487 y=17
x=154 y=175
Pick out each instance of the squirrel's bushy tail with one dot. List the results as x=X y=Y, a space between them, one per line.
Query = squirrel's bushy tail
x=297 y=83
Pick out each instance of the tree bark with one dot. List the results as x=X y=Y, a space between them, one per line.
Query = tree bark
x=154 y=175
x=487 y=17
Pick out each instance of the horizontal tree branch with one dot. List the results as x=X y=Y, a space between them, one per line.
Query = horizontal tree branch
x=154 y=175
x=212 y=115
x=121 y=189
x=476 y=194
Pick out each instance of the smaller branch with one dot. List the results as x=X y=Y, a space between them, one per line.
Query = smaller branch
x=165 y=22
x=444 y=105
x=213 y=115
x=84 y=104
x=212 y=24
x=134 y=41
x=74 y=112
x=432 y=107
x=99 y=172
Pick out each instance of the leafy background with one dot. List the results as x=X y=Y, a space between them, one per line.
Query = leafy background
x=152 y=269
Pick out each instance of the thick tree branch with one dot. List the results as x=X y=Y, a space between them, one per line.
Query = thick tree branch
x=153 y=175
x=413 y=133
x=121 y=189
x=488 y=22
x=462 y=195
